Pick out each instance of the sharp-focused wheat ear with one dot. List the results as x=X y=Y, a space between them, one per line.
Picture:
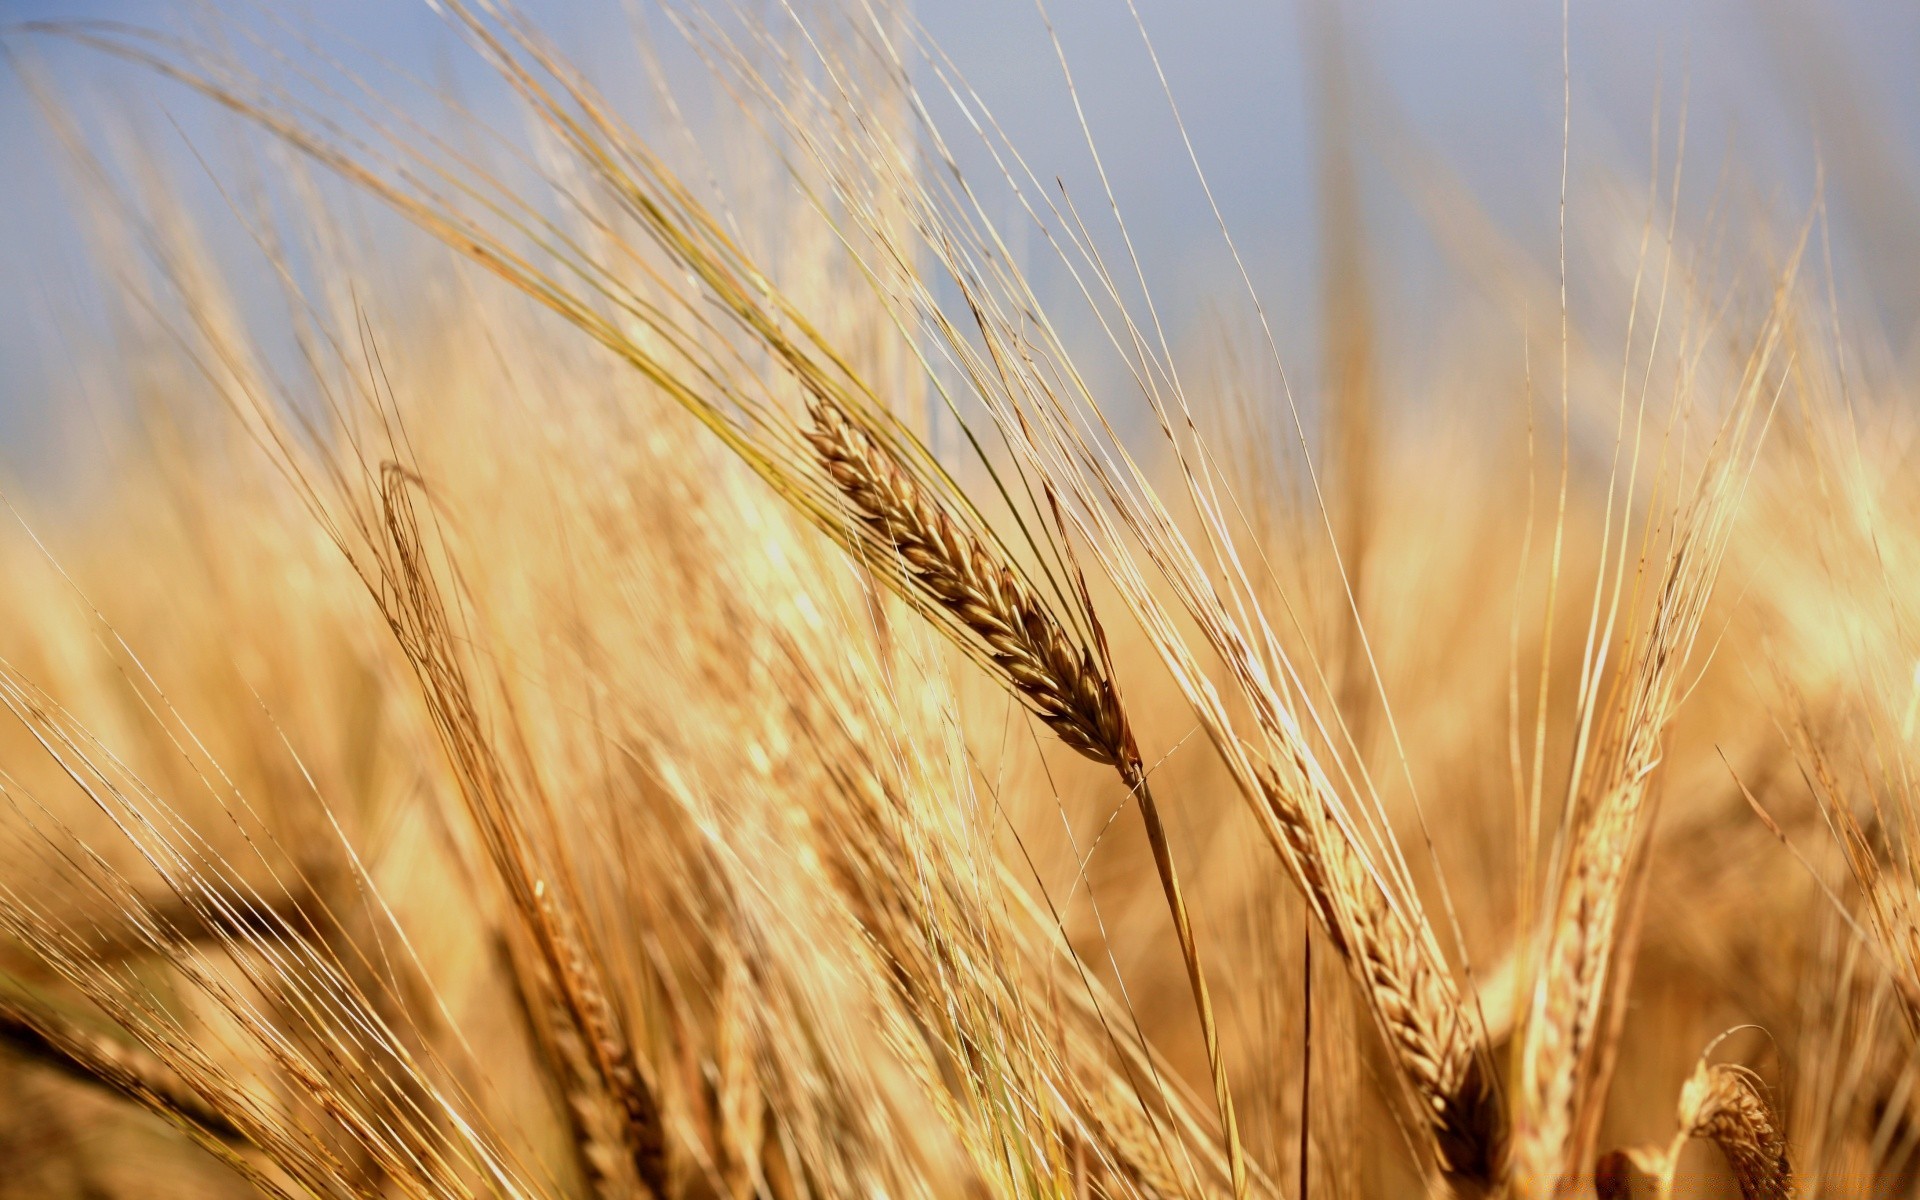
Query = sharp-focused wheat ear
x=1060 y=681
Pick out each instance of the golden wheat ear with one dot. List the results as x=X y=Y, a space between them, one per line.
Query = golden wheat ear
x=1046 y=415
x=1720 y=1103
x=1612 y=802
x=1059 y=680
x=1726 y=1105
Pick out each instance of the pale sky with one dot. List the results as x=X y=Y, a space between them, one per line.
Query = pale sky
x=1478 y=83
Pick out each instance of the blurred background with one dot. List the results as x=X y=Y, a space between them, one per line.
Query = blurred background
x=1402 y=114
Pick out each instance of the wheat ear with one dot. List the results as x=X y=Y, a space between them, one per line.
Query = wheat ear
x=34 y=1031
x=1608 y=838
x=1062 y=681
x=1722 y=1104
x=409 y=596
x=1433 y=1040
x=1058 y=680
x=1725 y=1105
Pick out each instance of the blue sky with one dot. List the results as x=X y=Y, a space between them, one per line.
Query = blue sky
x=1478 y=83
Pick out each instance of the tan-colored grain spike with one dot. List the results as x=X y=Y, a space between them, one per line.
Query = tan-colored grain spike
x=1428 y=1029
x=1724 y=1104
x=1720 y=1103
x=1059 y=680
x=410 y=598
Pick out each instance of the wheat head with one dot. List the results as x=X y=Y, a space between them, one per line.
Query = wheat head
x=1724 y=1104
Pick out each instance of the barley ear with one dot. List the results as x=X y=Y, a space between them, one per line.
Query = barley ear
x=1056 y=678
x=1434 y=1042
x=408 y=591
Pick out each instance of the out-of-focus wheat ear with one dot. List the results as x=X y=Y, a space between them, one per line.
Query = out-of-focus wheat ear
x=1727 y=1106
x=1434 y=1042
x=1573 y=977
x=1610 y=812
x=566 y=1068
x=1061 y=679
x=35 y=1031
x=409 y=594
x=738 y=1101
x=1611 y=820
x=608 y=1046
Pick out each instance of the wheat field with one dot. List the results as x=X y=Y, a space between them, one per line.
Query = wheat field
x=646 y=653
